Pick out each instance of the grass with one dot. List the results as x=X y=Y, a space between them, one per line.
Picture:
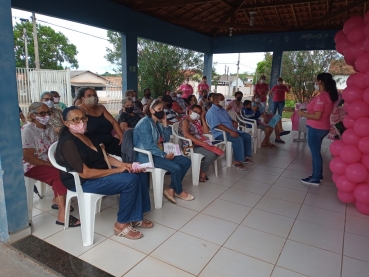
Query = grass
x=287 y=114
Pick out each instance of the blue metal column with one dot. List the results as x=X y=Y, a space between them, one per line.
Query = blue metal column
x=13 y=214
x=276 y=67
x=208 y=67
x=129 y=62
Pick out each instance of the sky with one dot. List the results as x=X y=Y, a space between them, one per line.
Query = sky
x=91 y=46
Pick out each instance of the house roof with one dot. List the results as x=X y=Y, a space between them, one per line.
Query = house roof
x=340 y=68
x=218 y=17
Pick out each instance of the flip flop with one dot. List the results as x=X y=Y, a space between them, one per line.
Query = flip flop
x=279 y=141
x=72 y=222
x=56 y=207
x=145 y=223
x=284 y=133
x=240 y=167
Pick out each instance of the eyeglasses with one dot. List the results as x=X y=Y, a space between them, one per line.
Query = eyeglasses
x=43 y=114
x=78 y=119
x=48 y=99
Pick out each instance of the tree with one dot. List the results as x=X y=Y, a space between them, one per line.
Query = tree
x=263 y=67
x=161 y=66
x=54 y=47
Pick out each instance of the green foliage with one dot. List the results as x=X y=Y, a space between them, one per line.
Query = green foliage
x=290 y=103
x=54 y=47
x=161 y=66
x=264 y=67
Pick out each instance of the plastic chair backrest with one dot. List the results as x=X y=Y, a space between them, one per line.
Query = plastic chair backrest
x=175 y=128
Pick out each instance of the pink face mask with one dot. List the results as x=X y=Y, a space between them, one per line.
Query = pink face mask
x=79 y=128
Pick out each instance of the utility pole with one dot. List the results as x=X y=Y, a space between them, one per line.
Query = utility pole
x=26 y=46
x=238 y=69
x=37 y=57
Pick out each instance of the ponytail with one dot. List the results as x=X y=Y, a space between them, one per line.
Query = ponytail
x=329 y=85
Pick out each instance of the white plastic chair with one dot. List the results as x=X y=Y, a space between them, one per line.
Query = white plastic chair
x=88 y=203
x=253 y=131
x=195 y=157
x=157 y=181
x=30 y=183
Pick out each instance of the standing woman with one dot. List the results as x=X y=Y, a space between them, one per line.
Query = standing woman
x=262 y=89
x=318 y=122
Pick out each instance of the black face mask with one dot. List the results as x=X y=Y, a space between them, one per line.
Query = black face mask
x=148 y=95
x=129 y=110
x=239 y=98
x=159 y=115
x=169 y=105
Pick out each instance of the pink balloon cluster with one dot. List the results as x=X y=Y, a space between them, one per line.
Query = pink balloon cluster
x=350 y=165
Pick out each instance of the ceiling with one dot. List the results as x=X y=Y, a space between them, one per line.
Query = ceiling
x=221 y=17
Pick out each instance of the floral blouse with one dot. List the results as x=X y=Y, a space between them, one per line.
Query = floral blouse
x=192 y=129
x=39 y=139
x=56 y=118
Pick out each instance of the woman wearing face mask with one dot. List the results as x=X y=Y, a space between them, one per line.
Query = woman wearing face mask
x=236 y=104
x=193 y=128
x=128 y=119
x=204 y=99
x=37 y=137
x=100 y=122
x=318 y=115
x=262 y=89
x=78 y=153
x=186 y=88
x=57 y=103
x=136 y=103
x=203 y=86
x=150 y=134
x=56 y=114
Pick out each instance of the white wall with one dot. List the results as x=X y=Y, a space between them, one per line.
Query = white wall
x=341 y=81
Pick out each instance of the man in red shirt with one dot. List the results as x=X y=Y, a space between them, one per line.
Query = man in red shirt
x=279 y=96
x=262 y=88
x=186 y=88
x=202 y=86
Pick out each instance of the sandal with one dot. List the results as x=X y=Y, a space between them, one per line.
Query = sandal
x=284 y=133
x=188 y=198
x=72 y=222
x=56 y=207
x=145 y=223
x=169 y=197
x=125 y=233
x=203 y=179
x=239 y=167
x=279 y=141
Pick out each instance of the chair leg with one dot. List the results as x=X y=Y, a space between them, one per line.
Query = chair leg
x=216 y=167
x=255 y=144
x=229 y=154
x=98 y=205
x=259 y=138
x=158 y=184
x=29 y=183
x=196 y=164
x=43 y=189
x=67 y=210
x=87 y=211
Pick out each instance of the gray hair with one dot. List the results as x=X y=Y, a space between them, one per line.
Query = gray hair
x=126 y=100
x=128 y=92
x=33 y=109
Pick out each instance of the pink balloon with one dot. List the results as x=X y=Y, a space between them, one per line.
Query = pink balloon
x=356 y=173
x=362 y=207
x=364 y=145
x=342 y=44
x=355 y=69
x=356 y=34
x=346 y=107
x=350 y=154
x=362 y=193
x=340 y=34
x=359 y=80
x=366 y=76
x=365 y=161
x=349 y=56
x=346 y=197
x=366 y=95
x=348 y=122
x=358 y=109
x=365 y=44
x=351 y=23
x=361 y=126
x=335 y=177
x=353 y=93
x=361 y=63
x=350 y=137
x=366 y=17
x=344 y=185
x=337 y=166
x=336 y=147
x=366 y=30
x=350 y=81
x=359 y=49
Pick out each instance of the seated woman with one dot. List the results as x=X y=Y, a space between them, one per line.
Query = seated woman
x=236 y=104
x=150 y=134
x=209 y=102
x=192 y=100
x=138 y=107
x=37 y=137
x=78 y=153
x=204 y=99
x=56 y=113
x=100 y=122
x=192 y=128
x=128 y=118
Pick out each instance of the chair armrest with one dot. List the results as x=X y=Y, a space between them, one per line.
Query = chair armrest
x=209 y=136
x=148 y=153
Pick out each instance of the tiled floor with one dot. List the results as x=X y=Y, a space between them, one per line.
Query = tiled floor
x=262 y=222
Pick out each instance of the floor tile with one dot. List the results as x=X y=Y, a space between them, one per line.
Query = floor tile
x=351 y=210
x=244 y=198
x=153 y=237
x=224 y=180
x=278 y=206
x=233 y=172
x=353 y=267
x=317 y=236
x=357 y=225
x=256 y=244
x=325 y=202
x=104 y=222
x=229 y=263
x=286 y=194
x=309 y=260
x=274 y=163
x=44 y=226
x=70 y=240
x=302 y=168
x=291 y=184
x=171 y=215
x=197 y=204
x=356 y=246
x=322 y=217
x=324 y=190
x=270 y=223
x=261 y=177
x=298 y=175
x=113 y=257
x=36 y=212
x=209 y=228
x=43 y=204
x=281 y=272
x=153 y=267
x=186 y=252
x=207 y=189
x=269 y=170
x=251 y=186
x=227 y=211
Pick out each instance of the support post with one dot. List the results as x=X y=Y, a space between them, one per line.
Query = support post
x=276 y=67
x=129 y=62
x=208 y=67
x=13 y=200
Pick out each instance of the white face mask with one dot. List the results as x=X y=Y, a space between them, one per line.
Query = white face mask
x=279 y=83
x=134 y=99
x=316 y=87
x=222 y=103
x=194 y=116
x=179 y=95
x=91 y=100
x=49 y=103
x=56 y=99
x=262 y=81
x=186 y=82
x=43 y=120
x=257 y=100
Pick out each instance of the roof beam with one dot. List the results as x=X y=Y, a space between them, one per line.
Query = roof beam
x=329 y=6
x=167 y=3
x=276 y=4
x=334 y=14
x=279 y=18
x=294 y=15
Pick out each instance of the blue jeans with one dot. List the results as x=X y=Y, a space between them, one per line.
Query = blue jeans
x=177 y=167
x=241 y=145
x=134 y=198
x=279 y=105
x=315 y=138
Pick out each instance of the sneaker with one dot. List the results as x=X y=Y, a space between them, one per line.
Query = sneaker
x=321 y=177
x=310 y=181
